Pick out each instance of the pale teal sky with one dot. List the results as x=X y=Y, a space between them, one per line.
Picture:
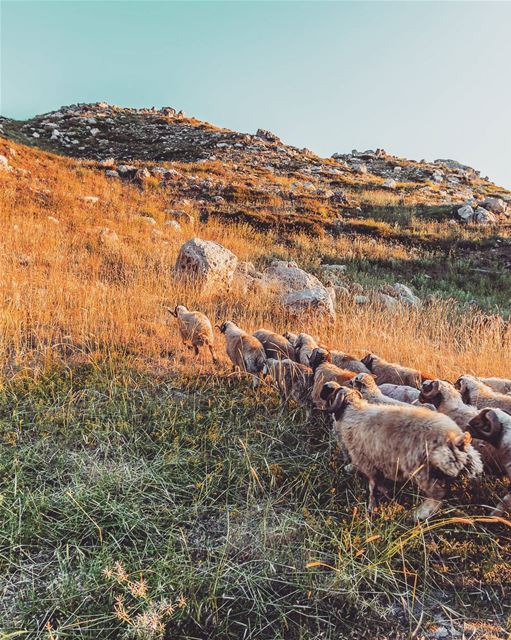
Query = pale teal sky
x=420 y=79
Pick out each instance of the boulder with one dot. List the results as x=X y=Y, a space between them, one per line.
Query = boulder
x=482 y=216
x=406 y=295
x=466 y=213
x=316 y=300
x=246 y=277
x=495 y=205
x=299 y=291
x=390 y=183
x=4 y=164
x=387 y=301
x=206 y=264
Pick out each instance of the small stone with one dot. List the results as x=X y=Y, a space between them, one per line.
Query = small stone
x=54 y=220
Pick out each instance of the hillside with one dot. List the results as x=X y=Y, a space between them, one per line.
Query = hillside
x=409 y=208
x=145 y=494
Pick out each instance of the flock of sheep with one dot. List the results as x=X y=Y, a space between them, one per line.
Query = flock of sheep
x=395 y=423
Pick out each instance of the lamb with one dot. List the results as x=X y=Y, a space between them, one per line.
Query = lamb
x=245 y=352
x=325 y=371
x=294 y=380
x=195 y=327
x=476 y=393
x=400 y=392
x=401 y=443
x=500 y=385
x=392 y=373
x=447 y=399
x=275 y=345
x=494 y=426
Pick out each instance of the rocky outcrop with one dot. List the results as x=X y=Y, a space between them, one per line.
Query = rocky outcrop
x=205 y=264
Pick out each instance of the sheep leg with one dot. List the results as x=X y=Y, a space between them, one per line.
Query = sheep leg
x=213 y=354
x=503 y=507
x=374 y=495
x=427 y=509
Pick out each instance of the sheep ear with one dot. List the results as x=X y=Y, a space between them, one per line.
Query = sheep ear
x=172 y=312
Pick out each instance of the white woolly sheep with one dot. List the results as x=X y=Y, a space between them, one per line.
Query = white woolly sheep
x=500 y=385
x=400 y=443
x=275 y=345
x=476 y=393
x=195 y=328
x=400 y=392
x=393 y=373
x=293 y=380
x=325 y=371
x=245 y=352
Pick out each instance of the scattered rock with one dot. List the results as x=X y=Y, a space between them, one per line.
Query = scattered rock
x=495 y=205
x=267 y=135
x=482 y=216
x=466 y=213
x=107 y=236
x=406 y=295
x=390 y=183
x=361 y=299
x=110 y=173
x=4 y=164
x=90 y=199
x=173 y=224
x=206 y=264
x=54 y=220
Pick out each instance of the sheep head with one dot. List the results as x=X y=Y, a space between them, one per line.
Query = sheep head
x=431 y=393
x=337 y=398
x=487 y=425
x=464 y=385
x=368 y=360
x=318 y=357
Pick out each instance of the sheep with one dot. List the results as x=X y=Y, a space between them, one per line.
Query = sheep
x=365 y=384
x=370 y=391
x=325 y=371
x=275 y=345
x=447 y=399
x=494 y=426
x=294 y=380
x=244 y=351
x=346 y=361
x=392 y=373
x=304 y=345
x=476 y=393
x=400 y=443
x=500 y=385
x=195 y=327
x=400 y=392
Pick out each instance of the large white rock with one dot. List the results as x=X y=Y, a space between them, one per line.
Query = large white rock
x=206 y=264
x=299 y=291
x=482 y=216
x=406 y=295
x=466 y=213
x=316 y=300
x=495 y=205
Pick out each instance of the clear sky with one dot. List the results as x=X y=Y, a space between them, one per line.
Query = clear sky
x=420 y=79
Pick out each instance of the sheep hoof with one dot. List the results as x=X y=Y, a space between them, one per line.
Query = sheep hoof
x=427 y=509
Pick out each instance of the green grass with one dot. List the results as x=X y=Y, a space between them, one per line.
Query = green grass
x=233 y=509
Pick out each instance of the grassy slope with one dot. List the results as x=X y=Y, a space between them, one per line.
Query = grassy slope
x=114 y=450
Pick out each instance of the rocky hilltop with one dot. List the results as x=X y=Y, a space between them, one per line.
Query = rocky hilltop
x=224 y=169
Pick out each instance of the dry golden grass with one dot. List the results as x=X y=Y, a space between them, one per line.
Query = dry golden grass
x=65 y=290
